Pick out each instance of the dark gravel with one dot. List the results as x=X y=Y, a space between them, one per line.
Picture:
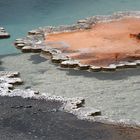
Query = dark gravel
x=30 y=119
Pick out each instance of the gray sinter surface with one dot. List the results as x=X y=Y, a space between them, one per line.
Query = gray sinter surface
x=116 y=94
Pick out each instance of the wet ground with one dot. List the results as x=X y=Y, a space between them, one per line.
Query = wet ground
x=30 y=119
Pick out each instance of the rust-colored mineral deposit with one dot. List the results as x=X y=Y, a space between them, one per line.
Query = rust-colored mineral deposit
x=104 y=44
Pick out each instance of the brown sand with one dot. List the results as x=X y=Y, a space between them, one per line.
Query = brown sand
x=102 y=45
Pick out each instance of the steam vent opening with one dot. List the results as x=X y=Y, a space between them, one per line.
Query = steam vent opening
x=104 y=44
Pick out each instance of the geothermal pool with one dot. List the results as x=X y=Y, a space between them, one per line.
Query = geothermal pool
x=19 y=16
x=115 y=94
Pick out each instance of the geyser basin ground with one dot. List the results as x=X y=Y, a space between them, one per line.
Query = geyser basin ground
x=41 y=116
x=116 y=94
x=104 y=44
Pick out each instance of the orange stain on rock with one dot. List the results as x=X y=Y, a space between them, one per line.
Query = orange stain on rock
x=103 y=44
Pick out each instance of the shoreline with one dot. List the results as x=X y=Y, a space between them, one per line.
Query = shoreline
x=35 y=42
x=74 y=106
x=68 y=64
x=102 y=90
x=29 y=115
x=43 y=120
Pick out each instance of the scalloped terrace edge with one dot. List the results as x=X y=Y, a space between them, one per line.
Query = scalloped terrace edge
x=70 y=105
x=35 y=42
x=3 y=33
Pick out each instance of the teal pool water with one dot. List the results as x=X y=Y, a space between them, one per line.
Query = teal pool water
x=20 y=16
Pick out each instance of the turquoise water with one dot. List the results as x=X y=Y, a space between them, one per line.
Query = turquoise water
x=19 y=16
